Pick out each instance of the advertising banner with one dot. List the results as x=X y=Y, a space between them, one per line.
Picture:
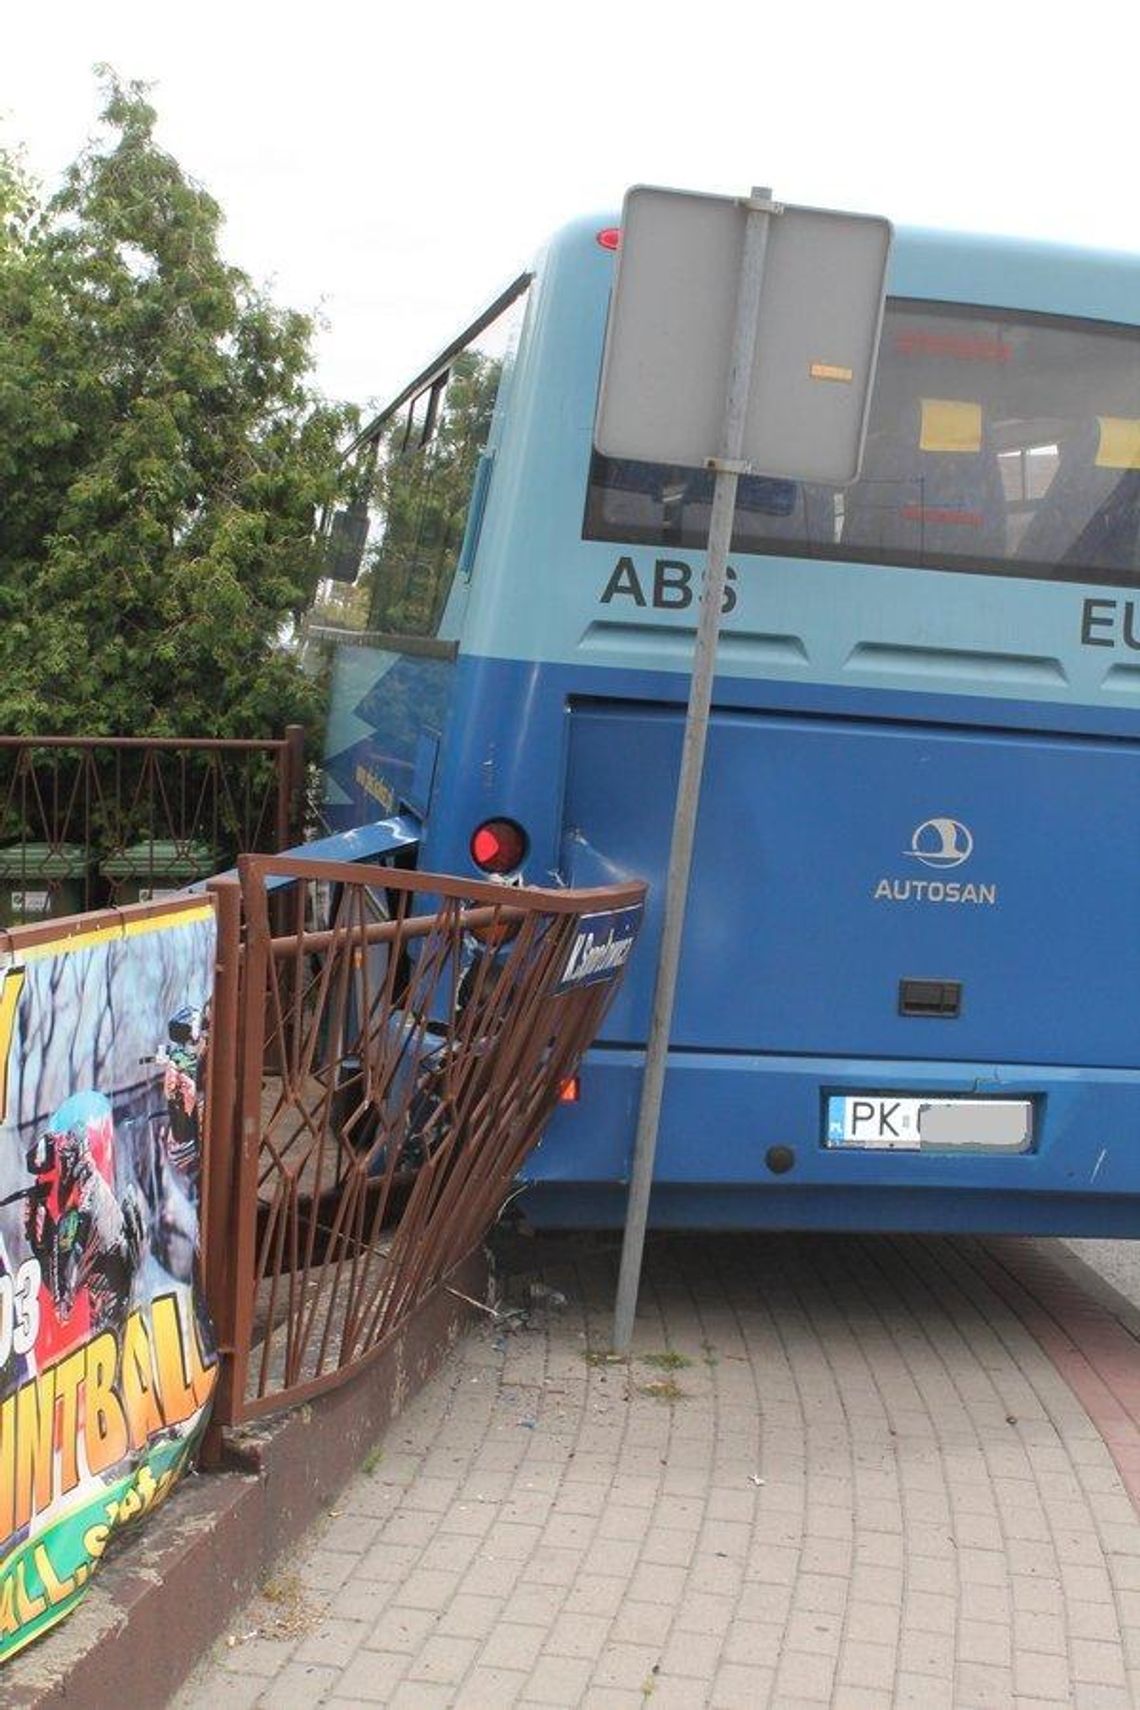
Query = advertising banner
x=106 y=1360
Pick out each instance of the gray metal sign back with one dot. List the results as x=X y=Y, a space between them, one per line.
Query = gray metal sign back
x=743 y=335
x=670 y=337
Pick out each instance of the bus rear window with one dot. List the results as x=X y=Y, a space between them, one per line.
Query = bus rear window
x=999 y=442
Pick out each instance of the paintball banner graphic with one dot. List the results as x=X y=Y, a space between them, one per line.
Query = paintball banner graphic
x=106 y=1360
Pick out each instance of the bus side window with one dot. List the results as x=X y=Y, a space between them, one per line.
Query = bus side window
x=424 y=485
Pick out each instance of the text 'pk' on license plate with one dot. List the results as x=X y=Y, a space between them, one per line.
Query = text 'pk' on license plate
x=879 y=1122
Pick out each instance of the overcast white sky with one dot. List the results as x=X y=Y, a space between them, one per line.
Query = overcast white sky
x=394 y=164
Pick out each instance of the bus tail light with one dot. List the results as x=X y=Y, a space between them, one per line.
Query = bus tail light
x=570 y=1091
x=610 y=237
x=498 y=846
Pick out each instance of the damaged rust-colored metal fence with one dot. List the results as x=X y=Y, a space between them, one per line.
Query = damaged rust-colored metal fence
x=375 y=1084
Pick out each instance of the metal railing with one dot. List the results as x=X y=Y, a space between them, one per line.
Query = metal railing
x=375 y=1083
x=86 y=821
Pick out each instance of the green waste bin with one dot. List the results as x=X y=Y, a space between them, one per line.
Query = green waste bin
x=147 y=872
x=40 y=881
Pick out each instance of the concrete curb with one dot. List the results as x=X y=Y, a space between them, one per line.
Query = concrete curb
x=167 y=1592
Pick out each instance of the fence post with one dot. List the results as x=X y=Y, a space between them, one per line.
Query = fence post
x=221 y=1150
x=293 y=788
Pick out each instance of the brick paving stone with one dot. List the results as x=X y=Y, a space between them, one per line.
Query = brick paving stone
x=333 y=1642
x=492 y=1578
x=671 y=1692
x=429 y=1588
x=873 y=1583
x=1041 y=1594
x=444 y=1660
x=984 y=1686
x=298 y=1686
x=469 y=1616
x=987 y=1642
x=735 y=1687
x=450 y=1552
x=935 y=1574
x=802 y=1674
x=410 y=1526
x=487 y=1686
x=365 y=1600
x=623 y=1523
x=874 y=1623
x=868 y=1665
x=984 y=1567
x=867 y=1698
x=1102 y=1698
x=827 y=1592
x=931 y=1611
x=877 y=1490
x=401 y=1628
x=927 y=1653
x=261 y=1658
x=813 y=1630
x=1037 y=1631
x=387 y=1562
x=513 y=1646
x=705 y=1612
x=717 y=1574
x=371 y=1677
x=558 y=1680
x=235 y=1691
x=529 y=1605
x=754 y=1643
x=1096 y=1662
x=421 y=1695
x=1126 y=1573
x=576 y=1635
x=1083 y=1583
x=665 y=1546
x=692 y=1655
x=1043 y=1676
x=922 y=1692
x=556 y=1569
x=327 y=1570
x=642 y=1623
x=626 y=1666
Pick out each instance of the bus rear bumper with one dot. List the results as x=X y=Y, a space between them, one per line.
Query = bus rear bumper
x=728 y=1119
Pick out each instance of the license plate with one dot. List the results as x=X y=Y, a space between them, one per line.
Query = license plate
x=886 y=1123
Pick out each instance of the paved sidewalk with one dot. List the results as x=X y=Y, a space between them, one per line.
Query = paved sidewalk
x=838 y=1471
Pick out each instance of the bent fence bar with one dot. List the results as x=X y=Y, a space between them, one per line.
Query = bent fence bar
x=378 y=1072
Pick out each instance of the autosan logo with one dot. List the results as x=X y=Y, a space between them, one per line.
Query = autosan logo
x=944 y=844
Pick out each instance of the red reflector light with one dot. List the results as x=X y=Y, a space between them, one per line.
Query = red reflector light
x=498 y=846
x=939 y=514
x=610 y=238
x=570 y=1091
x=965 y=347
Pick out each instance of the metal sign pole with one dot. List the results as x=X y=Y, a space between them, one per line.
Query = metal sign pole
x=728 y=468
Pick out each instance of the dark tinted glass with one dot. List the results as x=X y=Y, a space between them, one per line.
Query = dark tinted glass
x=998 y=442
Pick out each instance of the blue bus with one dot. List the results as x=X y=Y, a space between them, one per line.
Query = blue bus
x=910 y=990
